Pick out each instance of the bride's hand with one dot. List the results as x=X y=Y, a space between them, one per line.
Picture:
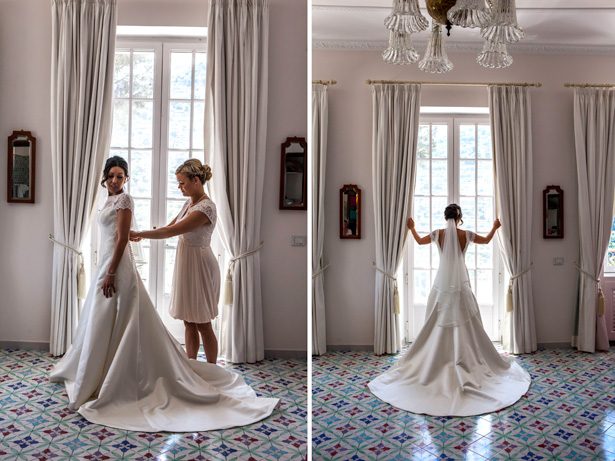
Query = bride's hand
x=410 y=223
x=108 y=286
x=497 y=224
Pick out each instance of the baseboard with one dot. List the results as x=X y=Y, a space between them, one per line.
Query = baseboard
x=350 y=347
x=25 y=345
x=285 y=354
x=554 y=345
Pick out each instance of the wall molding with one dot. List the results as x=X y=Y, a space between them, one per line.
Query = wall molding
x=25 y=345
x=285 y=354
x=465 y=47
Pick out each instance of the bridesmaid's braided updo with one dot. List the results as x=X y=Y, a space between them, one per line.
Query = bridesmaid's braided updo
x=453 y=211
x=194 y=168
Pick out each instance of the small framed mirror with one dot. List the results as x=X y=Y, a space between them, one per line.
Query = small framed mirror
x=553 y=212
x=350 y=212
x=293 y=179
x=21 y=167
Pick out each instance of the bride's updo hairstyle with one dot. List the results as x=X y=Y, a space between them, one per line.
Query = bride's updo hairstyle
x=194 y=168
x=453 y=211
x=116 y=160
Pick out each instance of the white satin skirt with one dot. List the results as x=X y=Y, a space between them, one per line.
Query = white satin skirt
x=452 y=371
x=125 y=370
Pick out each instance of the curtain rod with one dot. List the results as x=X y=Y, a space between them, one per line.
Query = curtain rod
x=589 y=85
x=371 y=82
x=323 y=82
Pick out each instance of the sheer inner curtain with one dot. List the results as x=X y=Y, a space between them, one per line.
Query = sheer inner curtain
x=511 y=134
x=320 y=110
x=83 y=48
x=594 y=132
x=395 y=126
x=235 y=138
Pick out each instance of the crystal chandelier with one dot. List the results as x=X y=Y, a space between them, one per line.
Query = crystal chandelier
x=497 y=20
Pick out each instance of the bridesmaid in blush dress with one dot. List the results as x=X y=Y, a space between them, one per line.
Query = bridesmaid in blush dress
x=196 y=278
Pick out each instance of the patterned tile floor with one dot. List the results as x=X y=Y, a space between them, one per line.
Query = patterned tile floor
x=36 y=425
x=568 y=414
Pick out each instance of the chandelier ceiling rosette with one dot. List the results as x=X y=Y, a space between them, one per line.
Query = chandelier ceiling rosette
x=496 y=19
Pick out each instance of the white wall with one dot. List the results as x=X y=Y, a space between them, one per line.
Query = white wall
x=349 y=281
x=25 y=252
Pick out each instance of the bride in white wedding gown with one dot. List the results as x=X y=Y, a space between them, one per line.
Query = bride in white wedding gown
x=452 y=368
x=124 y=369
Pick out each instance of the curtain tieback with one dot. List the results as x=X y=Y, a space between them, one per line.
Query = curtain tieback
x=395 y=292
x=600 y=293
x=81 y=292
x=227 y=293
x=509 y=298
x=321 y=270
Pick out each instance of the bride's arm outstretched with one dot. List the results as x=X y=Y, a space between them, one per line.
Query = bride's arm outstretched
x=420 y=240
x=124 y=216
x=190 y=223
x=485 y=240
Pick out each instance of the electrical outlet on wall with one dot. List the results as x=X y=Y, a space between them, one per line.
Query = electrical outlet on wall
x=558 y=261
x=298 y=240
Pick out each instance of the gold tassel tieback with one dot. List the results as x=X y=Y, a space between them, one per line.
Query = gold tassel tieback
x=396 y=307
x=600 y=302
x=509 y=296
x=227 y=291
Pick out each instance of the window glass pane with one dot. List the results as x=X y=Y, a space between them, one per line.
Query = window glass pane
x=199 y=154
x=181 y=75
x=485 y=256
x=143 y=213
x=173 y=208
x=485 y=177
x=179 y=125
x=422 y=177
x=119 y=136
x=121 y=153
x=198 y=141
x=121 y=77
x=142 y=119
x=438 y=204
x=422 y=147
x=174 y=160
x=484 y=141
x=143 y=74
x=422 y=284
x=421 y=255
x=485 y=214
x=141 y=173
x=200 y=69
x=468 y=209
x=421 y=214
x=439 y=141
x=439 y=177
x=169 y=265
x=467 y=141
x=467 y=177
x=484 y=286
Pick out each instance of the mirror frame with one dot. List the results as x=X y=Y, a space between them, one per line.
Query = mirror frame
x=343 y=190
x=286 y=145
x=32 y=140
x=560 y=212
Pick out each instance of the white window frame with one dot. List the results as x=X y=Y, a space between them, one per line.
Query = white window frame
x=414 y=314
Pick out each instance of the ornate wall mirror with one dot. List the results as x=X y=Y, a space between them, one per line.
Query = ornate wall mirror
x=293 y=179
x=553 y=212
x=21 y=161
x=350 y=212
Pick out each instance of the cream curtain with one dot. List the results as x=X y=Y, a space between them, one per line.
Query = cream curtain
x=235 y=137
x=82 y=56
x=320 y=111
x=594 y=132
x=395 y=128
x=511 y=133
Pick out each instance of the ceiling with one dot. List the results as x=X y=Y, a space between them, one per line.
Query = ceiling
x=551 y=26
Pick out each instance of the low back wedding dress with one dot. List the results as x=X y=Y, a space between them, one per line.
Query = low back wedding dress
x=125 y=370
x=452 y=368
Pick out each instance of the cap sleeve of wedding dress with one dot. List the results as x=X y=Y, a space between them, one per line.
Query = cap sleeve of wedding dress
x=434 y=235
x=469 y=237
x=123 y=202
x=452 y=367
